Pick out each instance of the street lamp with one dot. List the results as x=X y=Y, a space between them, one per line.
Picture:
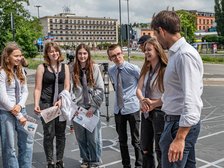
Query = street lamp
x=128 y=30
x=120 y=21
x=38 y=12
x=12 y=26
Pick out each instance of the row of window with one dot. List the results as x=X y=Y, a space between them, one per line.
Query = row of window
x=203 y=27
x=82 y=27
x=75 y=21
x=84 y=32
x=83 y=38
x=205 y=21
x=206 y=14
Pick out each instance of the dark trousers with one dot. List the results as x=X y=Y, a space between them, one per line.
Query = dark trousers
x=151 y=130
x=167 y=138
x=121 y=128
x=54 y=128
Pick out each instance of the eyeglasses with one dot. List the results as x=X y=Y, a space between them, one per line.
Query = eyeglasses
x=115 y=55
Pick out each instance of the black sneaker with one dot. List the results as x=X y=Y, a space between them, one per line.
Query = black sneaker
x=50 y=165
x=84 y=165
x=94 y=166
x=60 y=164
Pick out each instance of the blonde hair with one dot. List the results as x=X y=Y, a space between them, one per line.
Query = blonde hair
x=5 y=64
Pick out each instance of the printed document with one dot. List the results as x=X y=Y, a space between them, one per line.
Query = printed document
x=83 y=120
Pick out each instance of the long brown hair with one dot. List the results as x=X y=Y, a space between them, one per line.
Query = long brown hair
x=88 y=67
x=5 y=64
x=163 y=60
x=46 y=50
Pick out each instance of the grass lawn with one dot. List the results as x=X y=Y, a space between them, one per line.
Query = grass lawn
x=215 y=59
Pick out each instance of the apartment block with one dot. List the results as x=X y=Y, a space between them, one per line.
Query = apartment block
x=205 y=20
x=69 y=29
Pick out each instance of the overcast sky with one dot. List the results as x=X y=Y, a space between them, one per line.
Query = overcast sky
x=139 y=10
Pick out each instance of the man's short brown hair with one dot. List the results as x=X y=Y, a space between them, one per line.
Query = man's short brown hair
x=112 y=47
x=167 y=20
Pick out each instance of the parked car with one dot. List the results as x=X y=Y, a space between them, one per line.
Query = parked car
x=124 y=48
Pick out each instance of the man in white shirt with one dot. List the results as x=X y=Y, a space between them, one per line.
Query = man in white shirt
x=181 y=101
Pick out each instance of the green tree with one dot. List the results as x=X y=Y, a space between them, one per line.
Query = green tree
x=188 y=24
x=219 y=16
x=27 y=28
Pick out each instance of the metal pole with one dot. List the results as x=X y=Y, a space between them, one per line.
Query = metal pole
x=12 y=26
x=128 y=30
x=38 y=11
x=120 y=21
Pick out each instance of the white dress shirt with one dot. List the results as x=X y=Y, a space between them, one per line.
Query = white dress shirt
x=183 y=83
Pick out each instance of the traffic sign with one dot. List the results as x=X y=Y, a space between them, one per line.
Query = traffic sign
x=40 y=41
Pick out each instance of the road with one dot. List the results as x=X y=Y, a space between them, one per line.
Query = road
x=209 y=149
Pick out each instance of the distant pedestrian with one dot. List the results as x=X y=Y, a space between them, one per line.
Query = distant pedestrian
x=142 y=40
x=125 y=77
x=87 y=86
x=24 y=63
x=13 y=96
x=52 y=77
x=150 y=87
x=183 y=87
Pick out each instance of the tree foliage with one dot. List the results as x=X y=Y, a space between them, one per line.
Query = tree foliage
x=219 y=16
x=188 y=24
x=213 y=38
x=27 y=28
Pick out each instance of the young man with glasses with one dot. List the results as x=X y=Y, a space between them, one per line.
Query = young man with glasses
x=124 y=77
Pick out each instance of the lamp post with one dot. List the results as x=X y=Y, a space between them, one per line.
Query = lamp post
x=120 y=21
x=128 y=30
x=38 y=11
x=13 y=27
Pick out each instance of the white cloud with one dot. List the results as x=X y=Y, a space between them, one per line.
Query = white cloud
x=139 y=10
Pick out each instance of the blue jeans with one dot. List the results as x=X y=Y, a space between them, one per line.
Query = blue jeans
x=90 y=144
x=168 y=135
x=8 y=125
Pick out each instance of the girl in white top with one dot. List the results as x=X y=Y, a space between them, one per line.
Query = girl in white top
x=150 y=87
x=13 y=95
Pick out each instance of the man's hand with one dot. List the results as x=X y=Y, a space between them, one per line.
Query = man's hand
x=176 y=150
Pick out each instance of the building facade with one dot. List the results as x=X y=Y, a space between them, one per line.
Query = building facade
x=71 y=30
x=205 y=20
x=146 y=31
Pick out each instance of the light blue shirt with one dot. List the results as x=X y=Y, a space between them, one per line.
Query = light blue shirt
x=183 y=84
x=129 y=75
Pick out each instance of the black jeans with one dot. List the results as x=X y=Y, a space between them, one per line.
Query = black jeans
x=52 y=129
x=121 y=128
x=151 y=130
